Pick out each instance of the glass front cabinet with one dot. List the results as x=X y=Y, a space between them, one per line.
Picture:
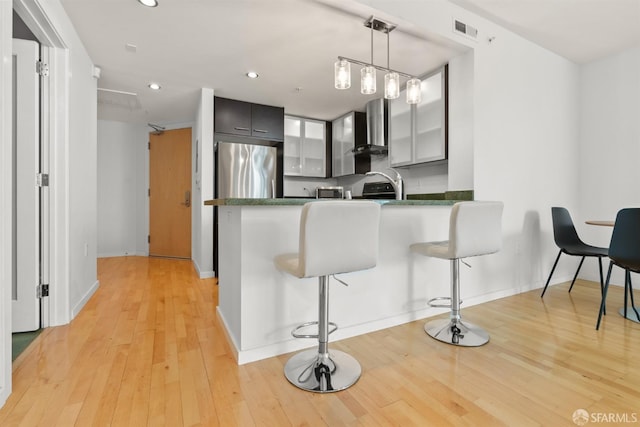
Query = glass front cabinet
x=343 y=144
x=305 y=147
x=418 y=133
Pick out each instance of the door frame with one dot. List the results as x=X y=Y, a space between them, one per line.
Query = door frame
x=55 y=135
x=55 y=142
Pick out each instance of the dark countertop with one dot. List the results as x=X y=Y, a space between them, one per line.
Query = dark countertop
x=302 y=201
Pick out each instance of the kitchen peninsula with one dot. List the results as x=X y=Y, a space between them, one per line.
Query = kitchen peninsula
x=259 y=305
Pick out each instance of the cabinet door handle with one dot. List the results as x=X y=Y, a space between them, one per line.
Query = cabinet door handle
x=261 y=130
x=240 y=128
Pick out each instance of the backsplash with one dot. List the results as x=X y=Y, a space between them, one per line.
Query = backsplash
x=429 y=178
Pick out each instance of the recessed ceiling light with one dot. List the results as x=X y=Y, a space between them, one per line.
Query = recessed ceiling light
x=154 y=86
x=252 y=75
x=149 y=3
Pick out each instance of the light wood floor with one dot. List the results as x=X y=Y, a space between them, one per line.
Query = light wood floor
x=148 y=350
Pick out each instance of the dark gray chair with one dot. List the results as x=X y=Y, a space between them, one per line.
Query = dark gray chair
x=624 y=251
x=569 y=243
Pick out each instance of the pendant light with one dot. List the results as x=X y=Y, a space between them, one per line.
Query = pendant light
x=391 y=79
x=368 y=75
x=368 y=80
x=342 y=74
x=342 y=71
x=414 y=91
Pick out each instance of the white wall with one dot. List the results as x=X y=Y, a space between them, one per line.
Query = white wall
x=123 y=182
x=82 y=164
x=203 y=187
x=610 y=146
x=6 y=182
x=525 y=136
x=460 y=164
x=122 y=179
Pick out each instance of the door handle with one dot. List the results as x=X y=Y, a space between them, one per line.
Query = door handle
x=187 y=199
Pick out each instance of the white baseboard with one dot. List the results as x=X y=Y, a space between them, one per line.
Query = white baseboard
x=225 y=328
x=119 y=254
x=207 y=274
x=78 y=307
x=203 y=274
x=293 y=344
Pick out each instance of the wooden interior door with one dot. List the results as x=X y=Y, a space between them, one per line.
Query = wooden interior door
x=170 y=193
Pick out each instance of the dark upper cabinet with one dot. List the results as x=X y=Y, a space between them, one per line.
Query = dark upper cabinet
x=267 y=122
x=232 y=116
x=246 y=119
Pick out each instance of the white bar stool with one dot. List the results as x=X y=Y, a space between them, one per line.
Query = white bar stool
x=475 y=228
x=335 y=237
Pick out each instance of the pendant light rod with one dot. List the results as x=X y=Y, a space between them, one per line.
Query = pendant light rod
x=372 y=44
x=388 y=60
x=378 y=67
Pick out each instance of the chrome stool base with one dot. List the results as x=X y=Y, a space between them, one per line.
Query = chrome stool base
x=322 y=373
x=456 y=332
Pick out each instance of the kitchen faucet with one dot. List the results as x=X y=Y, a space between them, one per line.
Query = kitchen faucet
x=397 y=183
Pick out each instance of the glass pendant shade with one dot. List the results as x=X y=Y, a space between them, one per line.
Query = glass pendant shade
x=391 y=85
x=368 y=80
x=342 y=74
x=414 y=92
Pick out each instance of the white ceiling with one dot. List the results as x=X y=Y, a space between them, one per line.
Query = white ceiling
x=579 y=30
x=188 y=44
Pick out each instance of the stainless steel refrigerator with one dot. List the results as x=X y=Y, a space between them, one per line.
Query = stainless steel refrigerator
x=246 y=171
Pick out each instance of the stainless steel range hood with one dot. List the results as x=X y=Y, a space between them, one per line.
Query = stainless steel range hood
x=377 y=128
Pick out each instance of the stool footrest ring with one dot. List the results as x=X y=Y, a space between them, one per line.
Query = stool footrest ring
x=431 y=302
x=332 y=328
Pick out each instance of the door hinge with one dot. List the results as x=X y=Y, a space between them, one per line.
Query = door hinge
x=148 y=238
x=42 y=179
x=43 y=290
x=42 y=69
x=148 y=192
x=149 y=144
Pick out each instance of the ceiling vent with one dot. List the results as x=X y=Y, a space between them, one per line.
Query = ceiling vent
x=466 y=30
x=118 y=99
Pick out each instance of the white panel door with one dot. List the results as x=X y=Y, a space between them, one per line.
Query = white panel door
x=26 y=137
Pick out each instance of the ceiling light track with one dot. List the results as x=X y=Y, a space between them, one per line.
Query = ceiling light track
x=378 y=67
